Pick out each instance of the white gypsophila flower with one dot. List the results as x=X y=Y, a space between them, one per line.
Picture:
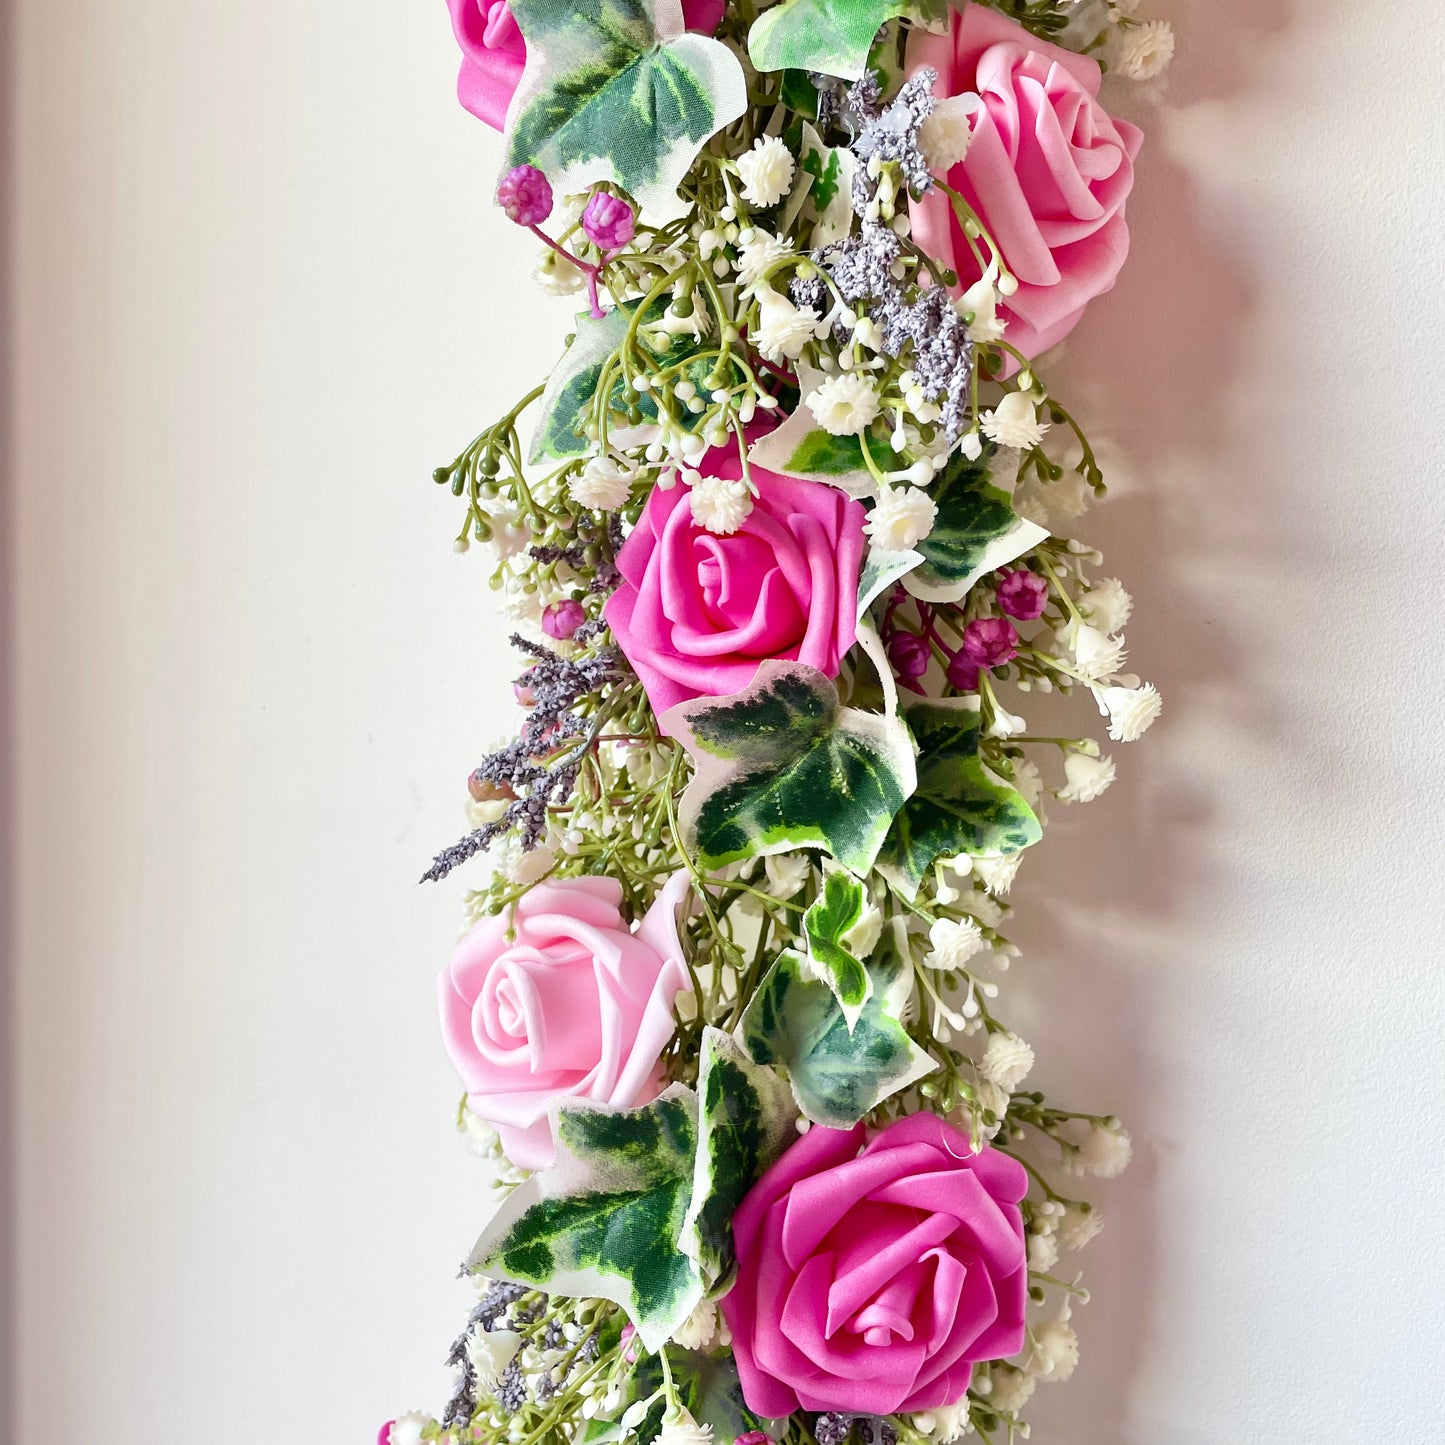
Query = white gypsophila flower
x=953 y=944
x=981 y=302
x=520 y=605
x=1055 y=1351
x=944 y=1423
x=992 y=1100
x=519 y=865
x=1079 y=1227
x=1029 y=505
x=766 y=172
x=1006 y=1061
x=944 y=136
x=682 y=1429
x=987 y=909
x=1014 y=422
x=1006 y=724
x=1122 y=7
x=1012 y=1389
x=1131 y=711
x=489 y=1352
x=1043 y=1252
x=1029 y=782
x=1096 y=655
x=558 y=276
x=604 y=484
x=844 y=405
x=406 y=1429
x=757 y=253
x=862 y=938
x=720 y=504
x=482 y=1139
x=509 y=536
x=998 y=874
x=697 y=1331
x=1070 y=496
x=1087 y=777
x=787 y=873
x=1106 y=1151
x=903 y=517
x=783 y=330
x=1146 y=50
x=1107 y=605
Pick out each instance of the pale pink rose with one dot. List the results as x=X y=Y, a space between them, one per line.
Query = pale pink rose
x=494 y=53
x=696 y=612
x=574 y=1006
x=1048 y=171
x=872 y=1283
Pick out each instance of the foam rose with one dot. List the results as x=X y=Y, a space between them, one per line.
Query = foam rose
x=697 y=612
x=494 y=54
x=873 y=1282
x=1048 y=171
x=574 y=1006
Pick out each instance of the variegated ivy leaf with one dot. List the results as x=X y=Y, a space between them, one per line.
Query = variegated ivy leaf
x=745 y=1119
x=836 y=910
x=616 y=90
x=823 y=192
x=977 y=529
x=799 y=447
x=782 y=765
x=832 y=37
x=567 y=403
x=605 y=1221
x=838 y=1075
x=880 y=571
x=959 y=806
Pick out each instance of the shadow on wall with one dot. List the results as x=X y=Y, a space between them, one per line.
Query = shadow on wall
x=1149 y=378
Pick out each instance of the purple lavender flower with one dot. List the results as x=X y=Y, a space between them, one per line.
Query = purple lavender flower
x=608 y=221
x=1022 y=594
x=525 y=194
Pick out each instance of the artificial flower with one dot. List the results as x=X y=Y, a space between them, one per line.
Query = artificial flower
x=1087 y=776
x=1010 y=1389
x=1006 y=1061
x=944 y=136
x=952 y=942
x=1022 y=594
x=1106 y=1151
x=1097 y=655
x=1107 y=605
x=766 y=171
x=872 y=1282
x=573 y=1005
x=783 y=330
x=1131 y=711
x=604 y=483
x=525 y=196
x=979 y=307
x=562 y=619
x=608 y=221
x=697 y=612
x=758 y=251
x=720 y=504
x=1014 y=422
x=1080 y=1227
x=1054 y=1351
x=1146 y=50
x=844 y=405
x=1047 y=171
x=901 y=518
x=405 y=1429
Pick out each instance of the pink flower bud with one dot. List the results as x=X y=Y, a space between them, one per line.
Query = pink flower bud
x=755 y=1437
x=524 y=694
x=384 y=1438
x=525 y=194
x=1022 y=594
x=990 y=641
x=608 y=221
x=962 y=674
x=562 y=619
x=908 y=656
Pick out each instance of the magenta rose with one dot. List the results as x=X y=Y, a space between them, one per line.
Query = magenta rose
x=873 y=1282
x=697 y=612
x=494 y=53
x=574 y=1006
x=1048 y=171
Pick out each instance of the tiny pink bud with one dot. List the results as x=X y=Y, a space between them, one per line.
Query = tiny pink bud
x=990 y=641
x=755 y=1437
x=525 y=194
x=562 y=619
x=608 y=221
x=1022 y=594
x=524 y=694
x=962 y=674
x=908 y=655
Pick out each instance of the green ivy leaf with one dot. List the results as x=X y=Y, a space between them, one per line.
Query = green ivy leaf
x=836 y=910
x=838 y=1075
x=781 y=766
x=976 y=531
x=605 y=1221
x=832 y=37
x=616 y=90
x=799 y=447
x=745 y=1120
x=958 y=807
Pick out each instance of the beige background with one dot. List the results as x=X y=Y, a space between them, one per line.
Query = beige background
x=257 y=292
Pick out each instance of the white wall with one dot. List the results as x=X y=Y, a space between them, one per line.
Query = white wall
x=258 y=293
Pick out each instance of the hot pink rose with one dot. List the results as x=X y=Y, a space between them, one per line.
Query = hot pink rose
x=873 y=1282
x=697 y=612
x=575 y=1005
x=494 y=53
x=1048 y=171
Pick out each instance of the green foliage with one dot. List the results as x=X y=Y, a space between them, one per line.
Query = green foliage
x=837 y=909
x=831 y=37
x=838 y=1073
x=782 y=766
x=958 y=807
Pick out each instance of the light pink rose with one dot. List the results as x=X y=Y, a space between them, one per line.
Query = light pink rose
x=574 y=1006
x=1048 y=171
x=697 y=612
x=494 y=53
x=872 y=1283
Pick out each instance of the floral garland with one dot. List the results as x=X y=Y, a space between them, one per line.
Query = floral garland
x=785 y=538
